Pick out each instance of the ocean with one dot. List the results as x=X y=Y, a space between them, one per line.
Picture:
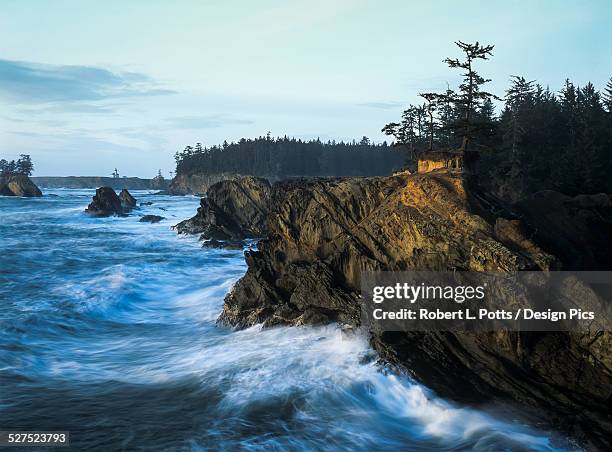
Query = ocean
x=107 y=330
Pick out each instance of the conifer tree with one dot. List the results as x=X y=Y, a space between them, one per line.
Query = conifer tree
x=519 y=98
x=607 y=96
x=470 y=95
x=24 y=165
x=433 y=101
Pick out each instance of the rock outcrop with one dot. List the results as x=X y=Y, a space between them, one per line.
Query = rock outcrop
x=232 y=210
x=18 y=185
x=106 y=203
x=128 y=202
x=323 y=233
x=150 y=219
x=198 y=184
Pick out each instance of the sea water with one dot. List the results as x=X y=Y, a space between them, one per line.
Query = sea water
x=107 y=330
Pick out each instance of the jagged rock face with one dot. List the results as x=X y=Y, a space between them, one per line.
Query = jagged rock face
x=106 y=203
x=363 y=224
x=197 y=184
x=127 y=200
x=324 y=233
x=18 y=185
x=232 y=210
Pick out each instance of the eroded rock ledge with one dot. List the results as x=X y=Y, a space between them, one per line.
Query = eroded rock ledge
x=323 y=233
x=231 y=211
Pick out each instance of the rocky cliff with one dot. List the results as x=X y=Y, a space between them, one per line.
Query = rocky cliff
x=323 y=233
x=18 y=185
x=198 y=184
x=231 y=211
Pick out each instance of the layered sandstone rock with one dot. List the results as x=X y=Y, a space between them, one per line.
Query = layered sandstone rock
x=18 y=185
x=323 y=233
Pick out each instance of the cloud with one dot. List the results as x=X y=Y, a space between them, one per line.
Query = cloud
x=205 y=122
x=31 y=83
x=381 y=105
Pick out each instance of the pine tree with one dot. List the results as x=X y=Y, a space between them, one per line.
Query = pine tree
x=433 y=101
x=24 y=165
x=607 y=96
x=404 y=133
x=448 y=116
x=519 y=99
x=470 y=95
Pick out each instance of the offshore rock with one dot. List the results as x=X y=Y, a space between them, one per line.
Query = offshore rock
x=106 y=203
x=18 y=185
x=323 y=233
x=128 y=202
x=233 y=210
x=151 y=219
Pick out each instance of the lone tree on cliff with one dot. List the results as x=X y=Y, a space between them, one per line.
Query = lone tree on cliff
x=470 y=96
x=452 y=117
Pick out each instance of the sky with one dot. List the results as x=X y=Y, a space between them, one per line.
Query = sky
x=87 y=86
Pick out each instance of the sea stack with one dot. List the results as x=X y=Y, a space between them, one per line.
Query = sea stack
x=106 y=203
x=18 y=185
x=128 y=202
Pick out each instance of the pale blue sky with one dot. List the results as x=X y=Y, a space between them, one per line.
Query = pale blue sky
x=87 y=86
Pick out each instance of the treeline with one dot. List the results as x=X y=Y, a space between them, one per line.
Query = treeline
x=284 y=157
x=547 y=140
x=540 y=140
x=23 y=166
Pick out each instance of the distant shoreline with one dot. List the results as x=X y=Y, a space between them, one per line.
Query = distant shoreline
x=131 y=183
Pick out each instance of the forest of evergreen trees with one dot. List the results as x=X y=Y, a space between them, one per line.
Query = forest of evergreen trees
x=541 y=139
x=560 y=141
x=285 y=157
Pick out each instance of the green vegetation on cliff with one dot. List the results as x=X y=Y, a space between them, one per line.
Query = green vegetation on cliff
x=541 y=140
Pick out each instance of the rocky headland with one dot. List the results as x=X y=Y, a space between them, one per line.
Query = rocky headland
x=18 y=185
x=198 y=184
x=322 y=233
x=232 y=210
